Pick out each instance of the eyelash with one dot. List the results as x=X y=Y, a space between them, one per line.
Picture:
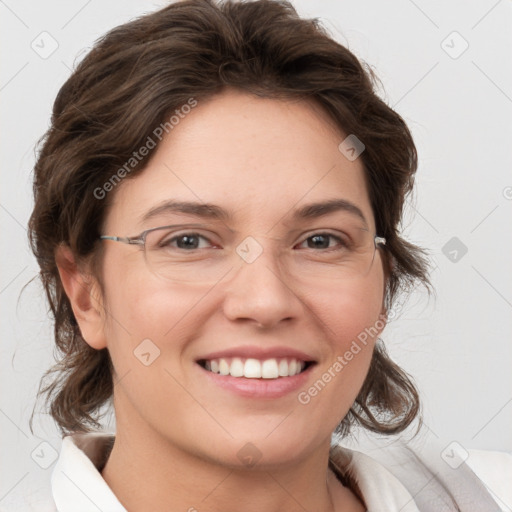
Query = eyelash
x=341 y=242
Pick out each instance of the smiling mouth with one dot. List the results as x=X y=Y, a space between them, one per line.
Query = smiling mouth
x=249 y=368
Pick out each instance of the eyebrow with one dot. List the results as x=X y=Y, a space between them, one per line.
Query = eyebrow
x=215 y=212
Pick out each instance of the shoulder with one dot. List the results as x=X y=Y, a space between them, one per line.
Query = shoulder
x=494 y=469
x=427 y=475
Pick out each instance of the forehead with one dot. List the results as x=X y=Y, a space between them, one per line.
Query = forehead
x=259 y=159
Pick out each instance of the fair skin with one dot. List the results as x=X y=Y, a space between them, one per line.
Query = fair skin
x=179 y=433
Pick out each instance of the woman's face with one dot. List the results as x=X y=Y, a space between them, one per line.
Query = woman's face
x=254 y=285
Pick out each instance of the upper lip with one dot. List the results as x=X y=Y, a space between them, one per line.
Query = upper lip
x=258 y=352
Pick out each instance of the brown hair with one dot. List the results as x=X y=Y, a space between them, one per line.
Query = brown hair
x=131 y=81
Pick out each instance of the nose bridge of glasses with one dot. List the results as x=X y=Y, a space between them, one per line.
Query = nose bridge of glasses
x=261 y=269
x=259 y=251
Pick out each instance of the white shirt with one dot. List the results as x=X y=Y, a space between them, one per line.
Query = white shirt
x=408 y=481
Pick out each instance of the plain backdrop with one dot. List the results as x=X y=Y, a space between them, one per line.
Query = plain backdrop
x=445 y=67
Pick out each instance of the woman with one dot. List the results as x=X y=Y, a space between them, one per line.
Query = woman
x=216 y=219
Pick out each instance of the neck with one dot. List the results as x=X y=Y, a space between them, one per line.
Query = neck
x=178 y=479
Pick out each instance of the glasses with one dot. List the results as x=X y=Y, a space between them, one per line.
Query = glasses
x=191 y=255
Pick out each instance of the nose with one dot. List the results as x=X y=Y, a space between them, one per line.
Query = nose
x=259 y=293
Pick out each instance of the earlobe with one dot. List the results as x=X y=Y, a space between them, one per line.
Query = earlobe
x=83 y=292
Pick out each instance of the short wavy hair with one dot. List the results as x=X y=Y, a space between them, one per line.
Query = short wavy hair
x=137 y=75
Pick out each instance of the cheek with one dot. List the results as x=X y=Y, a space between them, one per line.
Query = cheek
x=350 y=311
x=352 y=322
x=148 y=333
x=141 y=308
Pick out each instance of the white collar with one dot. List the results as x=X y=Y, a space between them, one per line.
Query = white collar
x=77 y=484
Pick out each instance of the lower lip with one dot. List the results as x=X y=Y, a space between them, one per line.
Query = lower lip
x=259 y=388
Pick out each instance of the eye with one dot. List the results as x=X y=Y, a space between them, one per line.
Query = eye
x=323 y=241
x=185 y=241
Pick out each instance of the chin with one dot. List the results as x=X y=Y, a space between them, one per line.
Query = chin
x=267 y=449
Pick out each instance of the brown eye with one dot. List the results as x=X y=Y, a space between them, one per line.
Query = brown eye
x=323 y=241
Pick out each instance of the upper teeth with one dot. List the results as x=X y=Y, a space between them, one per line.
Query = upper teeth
x=254 y=368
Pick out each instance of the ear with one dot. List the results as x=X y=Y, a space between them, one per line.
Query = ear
x=84 y=294
x=389 y=267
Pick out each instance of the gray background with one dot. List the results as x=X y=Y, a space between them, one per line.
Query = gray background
x=458 y=103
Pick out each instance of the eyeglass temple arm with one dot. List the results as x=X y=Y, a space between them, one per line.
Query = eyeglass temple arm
x=123 y=239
